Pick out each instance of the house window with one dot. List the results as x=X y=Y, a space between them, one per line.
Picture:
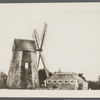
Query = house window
x=60 y=81
x=71 y=81
x=54 y=81
x=48 y=81
x=66 y=81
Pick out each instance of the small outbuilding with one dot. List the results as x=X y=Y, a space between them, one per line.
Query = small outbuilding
x=66 y=81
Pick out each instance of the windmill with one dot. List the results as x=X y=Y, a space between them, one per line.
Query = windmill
x=39 y=44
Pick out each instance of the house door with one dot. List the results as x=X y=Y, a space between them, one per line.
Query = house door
x=80 y=86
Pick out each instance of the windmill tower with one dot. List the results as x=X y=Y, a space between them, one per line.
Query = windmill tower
x=23 y=72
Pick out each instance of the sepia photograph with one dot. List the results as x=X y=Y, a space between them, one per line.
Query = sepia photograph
x=50 y=50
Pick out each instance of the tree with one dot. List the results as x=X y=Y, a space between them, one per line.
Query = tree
x=81 y=75
x=92 y=85
x=42 y=76
x=3 y=79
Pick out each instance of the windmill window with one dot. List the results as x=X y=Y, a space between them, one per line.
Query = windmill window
x=26 y=65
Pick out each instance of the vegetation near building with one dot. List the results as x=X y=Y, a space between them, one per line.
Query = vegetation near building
x=3 y=79
x=42 y=76
x=94 y=85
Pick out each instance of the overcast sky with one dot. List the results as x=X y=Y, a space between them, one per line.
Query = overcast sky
x=72 y=41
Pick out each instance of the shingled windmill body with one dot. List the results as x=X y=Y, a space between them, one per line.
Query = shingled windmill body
x=23 y=72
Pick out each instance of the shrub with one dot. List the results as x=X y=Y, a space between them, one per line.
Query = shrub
x=3 y=79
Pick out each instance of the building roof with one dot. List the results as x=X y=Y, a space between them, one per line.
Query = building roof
x=23 y=44
x=65 y=76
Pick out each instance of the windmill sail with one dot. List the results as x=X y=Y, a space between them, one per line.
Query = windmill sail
x=33 y=36
x=42 y=40
x=43 y=35
x=40 y=53
x=37 y=44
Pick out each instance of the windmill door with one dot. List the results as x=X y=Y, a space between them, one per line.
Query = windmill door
x=26 y=72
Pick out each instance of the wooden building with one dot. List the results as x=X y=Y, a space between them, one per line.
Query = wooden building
x=66 y=81
x=23 y=71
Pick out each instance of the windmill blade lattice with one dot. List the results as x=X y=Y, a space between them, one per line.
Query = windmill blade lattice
x=37 y=43
x=40 y=53
x=43 y=35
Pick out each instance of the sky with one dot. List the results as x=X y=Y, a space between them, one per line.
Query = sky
x=72 y=41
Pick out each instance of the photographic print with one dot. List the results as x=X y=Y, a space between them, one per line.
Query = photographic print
x=50 y=49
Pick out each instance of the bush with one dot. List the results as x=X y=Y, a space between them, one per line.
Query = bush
x=3 y=79
x=92 y=85
x=42 y=76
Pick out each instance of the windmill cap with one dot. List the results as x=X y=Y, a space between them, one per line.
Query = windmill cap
x=24 y=44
